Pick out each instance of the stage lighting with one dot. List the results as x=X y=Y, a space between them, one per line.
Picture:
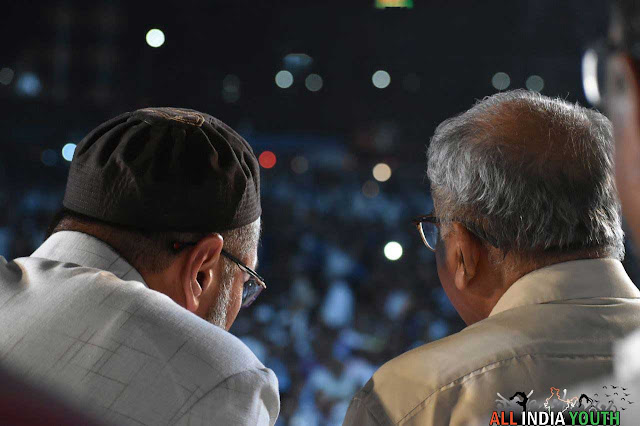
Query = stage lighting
x=297 y=60
x=6 y=76
x=155 y=37
x=68 y=150
x=381 y=79
x=501 y=80
x=382 y=172
x=267 y=159
x=49 y=157
x=284 y=79
x=383 y=4
x=299 y=165
x=313 y=82
x=393 y=250
x=370 y=189
x=535 y=83
x=231 y=89
x=28 y=84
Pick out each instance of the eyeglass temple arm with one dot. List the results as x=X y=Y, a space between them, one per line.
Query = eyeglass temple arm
x=243 y=266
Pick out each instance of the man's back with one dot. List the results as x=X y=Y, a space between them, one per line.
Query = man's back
x=129 y=353
x=553 y=328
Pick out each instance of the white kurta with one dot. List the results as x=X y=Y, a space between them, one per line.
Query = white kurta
x=79 y=320
x=554 y=327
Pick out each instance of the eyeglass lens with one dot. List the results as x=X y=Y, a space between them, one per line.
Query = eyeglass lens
x=250 y=292
x=593 y=74
x=429 y=233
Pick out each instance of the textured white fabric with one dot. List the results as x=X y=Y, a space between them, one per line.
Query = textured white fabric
x=555 y=327
x=78 y=319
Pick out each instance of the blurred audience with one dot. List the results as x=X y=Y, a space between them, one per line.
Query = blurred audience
x=311 y=217
x=310 y=256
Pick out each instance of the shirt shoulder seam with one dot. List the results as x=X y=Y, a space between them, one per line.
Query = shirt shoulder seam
x=421 y=405
x=363 y=401
x=220 y=385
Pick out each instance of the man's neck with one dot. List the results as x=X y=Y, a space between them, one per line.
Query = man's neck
x=510 y=270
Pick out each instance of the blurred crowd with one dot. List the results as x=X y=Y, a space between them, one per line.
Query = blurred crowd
x=336 y=307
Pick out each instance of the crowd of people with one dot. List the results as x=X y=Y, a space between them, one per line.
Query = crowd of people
x=336 y=308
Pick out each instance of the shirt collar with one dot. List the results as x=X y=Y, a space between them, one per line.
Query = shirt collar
x=86 y=250
x=576 y=279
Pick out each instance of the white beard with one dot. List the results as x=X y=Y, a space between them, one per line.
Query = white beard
x=217 y=315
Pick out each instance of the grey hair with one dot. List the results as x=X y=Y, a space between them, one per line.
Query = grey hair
x=240 y=241
x=533 y=173
x=217 y=315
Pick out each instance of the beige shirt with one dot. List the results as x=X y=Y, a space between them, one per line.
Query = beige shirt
x=554 y=327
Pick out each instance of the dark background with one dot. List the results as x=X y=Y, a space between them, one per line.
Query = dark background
x=336 y=308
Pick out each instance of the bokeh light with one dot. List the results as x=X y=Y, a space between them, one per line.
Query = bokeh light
x=155 y=37
x=49 y=157
x=370 y=189
x=267 y=159
x=231 y=89
x=535 y=83
x=284 y=79
x=381 y=79
x=299 y=164
x=28 y=84
x=382 y=172
x=297 y=60
x=501 y=80
x=68 y=150
x=313 y=82
x=6 y=76
x=393 y=250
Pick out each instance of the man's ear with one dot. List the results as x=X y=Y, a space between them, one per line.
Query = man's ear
x=198 y=273
x=467 y=253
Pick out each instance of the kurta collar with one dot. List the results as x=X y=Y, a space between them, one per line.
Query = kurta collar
x=576 y=279
x=86 y=250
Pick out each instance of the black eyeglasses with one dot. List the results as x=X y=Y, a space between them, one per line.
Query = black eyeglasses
x=594 y=63
x=251 y=288
x=427 y=226
x=593 y=71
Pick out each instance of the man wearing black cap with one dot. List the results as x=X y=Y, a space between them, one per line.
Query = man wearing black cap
x=156 y=246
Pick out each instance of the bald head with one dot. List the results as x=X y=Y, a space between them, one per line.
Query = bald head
x=542 y=136
x=534 y=173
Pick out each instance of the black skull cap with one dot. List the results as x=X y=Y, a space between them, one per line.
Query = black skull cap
x=165 y=169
